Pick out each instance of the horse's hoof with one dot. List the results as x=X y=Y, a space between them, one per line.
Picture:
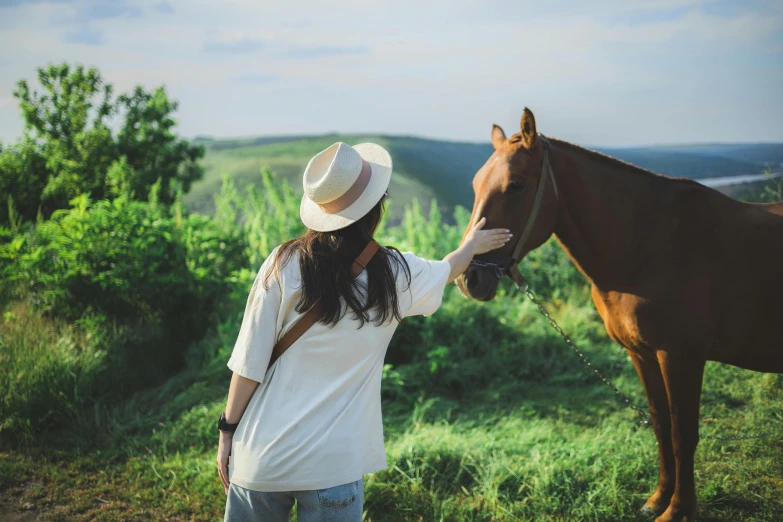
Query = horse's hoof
x=673 y=514
x=653 y=509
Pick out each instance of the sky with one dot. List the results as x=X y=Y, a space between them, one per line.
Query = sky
x=603 y=73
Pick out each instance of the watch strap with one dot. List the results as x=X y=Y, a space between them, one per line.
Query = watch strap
x=223 y=425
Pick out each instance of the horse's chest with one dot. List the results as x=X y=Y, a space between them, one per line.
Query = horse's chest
x=620 y=316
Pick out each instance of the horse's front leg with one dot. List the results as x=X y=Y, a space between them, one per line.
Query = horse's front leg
x=683 y=377
x=650 y=374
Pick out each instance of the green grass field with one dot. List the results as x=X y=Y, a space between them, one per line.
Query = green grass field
x=506 y=426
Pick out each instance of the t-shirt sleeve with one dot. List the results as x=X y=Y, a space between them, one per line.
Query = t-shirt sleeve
x=258 y=333
x=428 y=281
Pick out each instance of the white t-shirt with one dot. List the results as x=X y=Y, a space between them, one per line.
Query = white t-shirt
x=314 y=422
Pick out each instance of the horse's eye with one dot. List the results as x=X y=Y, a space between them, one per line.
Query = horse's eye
x=517 y=185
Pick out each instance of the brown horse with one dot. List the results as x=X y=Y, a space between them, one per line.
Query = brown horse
x=680 y=274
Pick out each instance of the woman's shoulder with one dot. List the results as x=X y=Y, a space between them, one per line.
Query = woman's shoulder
x=417 y=267
x=406 y=265
x=397 y=259
x=280 y=265
x=405 y=259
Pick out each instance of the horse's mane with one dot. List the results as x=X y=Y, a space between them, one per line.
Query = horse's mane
x=618 y=163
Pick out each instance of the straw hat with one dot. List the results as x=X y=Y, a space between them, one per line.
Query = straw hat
x=343 y=183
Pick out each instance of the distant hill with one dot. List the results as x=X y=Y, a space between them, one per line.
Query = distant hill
x=683 y=163
x=760 y=154
x=423 y=169
x=426 y=168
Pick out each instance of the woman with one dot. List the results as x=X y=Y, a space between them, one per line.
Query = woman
x=312 y=429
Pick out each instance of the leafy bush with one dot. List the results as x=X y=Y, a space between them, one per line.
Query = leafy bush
x=115 y=257
x=140 y=282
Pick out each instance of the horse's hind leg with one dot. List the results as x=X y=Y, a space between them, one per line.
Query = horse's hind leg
x=650 y=374
x=683 y=378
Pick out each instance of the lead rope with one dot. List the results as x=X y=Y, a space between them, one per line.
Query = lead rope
x=645 y=421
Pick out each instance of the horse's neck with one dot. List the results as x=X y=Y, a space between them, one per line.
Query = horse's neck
x=604 y=211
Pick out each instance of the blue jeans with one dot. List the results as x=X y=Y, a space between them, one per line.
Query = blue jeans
x=338 y=504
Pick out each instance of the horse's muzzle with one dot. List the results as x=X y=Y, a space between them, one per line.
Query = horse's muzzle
x=479 y=282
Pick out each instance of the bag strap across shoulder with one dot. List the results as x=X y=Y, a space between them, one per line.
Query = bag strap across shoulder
x=316 y=311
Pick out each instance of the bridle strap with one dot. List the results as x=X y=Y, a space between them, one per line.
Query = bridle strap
x=546 y=172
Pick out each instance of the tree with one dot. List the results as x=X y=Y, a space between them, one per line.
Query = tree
x=151 y=148
x=66 y=127
x=68 y=147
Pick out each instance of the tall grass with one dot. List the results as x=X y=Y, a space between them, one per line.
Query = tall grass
x=49 y=370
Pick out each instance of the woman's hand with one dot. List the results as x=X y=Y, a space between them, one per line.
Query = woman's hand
x=477 y=241
x=481 y=241
x=224 y=453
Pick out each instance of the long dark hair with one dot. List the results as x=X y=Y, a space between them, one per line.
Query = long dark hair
x=325 y=260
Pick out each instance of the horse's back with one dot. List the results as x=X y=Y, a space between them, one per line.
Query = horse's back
x=738 y=275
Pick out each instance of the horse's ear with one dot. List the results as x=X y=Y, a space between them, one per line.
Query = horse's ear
x=528 y=127
x=498 y=136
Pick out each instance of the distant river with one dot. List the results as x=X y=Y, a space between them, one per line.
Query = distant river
x=736 y=180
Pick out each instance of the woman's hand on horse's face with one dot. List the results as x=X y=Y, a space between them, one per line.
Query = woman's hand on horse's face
x=480 y=241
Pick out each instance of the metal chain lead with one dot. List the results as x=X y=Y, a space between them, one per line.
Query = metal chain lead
x=646 y=420
x=645 y=417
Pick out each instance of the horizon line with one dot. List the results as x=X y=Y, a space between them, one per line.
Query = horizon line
x=207 y=137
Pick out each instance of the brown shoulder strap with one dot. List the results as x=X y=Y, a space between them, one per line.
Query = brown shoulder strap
x=314 y=313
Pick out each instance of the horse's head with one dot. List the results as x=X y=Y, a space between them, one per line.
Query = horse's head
x=505 y=189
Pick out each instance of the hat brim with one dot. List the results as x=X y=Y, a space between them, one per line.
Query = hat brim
x=314 y=217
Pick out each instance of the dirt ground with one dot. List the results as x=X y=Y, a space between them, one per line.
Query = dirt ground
x=13 y=507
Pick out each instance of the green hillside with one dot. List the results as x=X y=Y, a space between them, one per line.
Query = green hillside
x=423 y=169
x=426 y=168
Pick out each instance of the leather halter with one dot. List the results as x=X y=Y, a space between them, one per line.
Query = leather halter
x=510 y=266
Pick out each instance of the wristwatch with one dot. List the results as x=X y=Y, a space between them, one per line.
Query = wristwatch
x=225 y=426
